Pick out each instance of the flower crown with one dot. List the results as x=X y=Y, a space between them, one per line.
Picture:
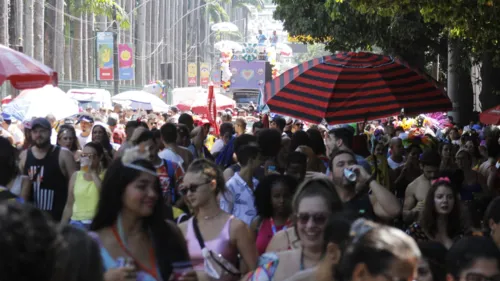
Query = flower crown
x=140 y=152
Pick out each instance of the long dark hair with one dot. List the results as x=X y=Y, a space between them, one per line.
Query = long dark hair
x=168 y=242
x=263 y=202
x=68 y=128
x=376 y=246
x=428 y=217
x=100 y=153
x=82 y=258
x=106 y=142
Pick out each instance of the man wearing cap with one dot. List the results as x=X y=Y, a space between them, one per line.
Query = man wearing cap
x=49 y=168
x=279 y=124
x=86 y=122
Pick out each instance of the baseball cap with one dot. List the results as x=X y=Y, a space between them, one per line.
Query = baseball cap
x=6 y=117
x=86 y=118
x=41 y=122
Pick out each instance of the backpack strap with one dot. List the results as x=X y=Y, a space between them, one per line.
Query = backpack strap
x=171 y=174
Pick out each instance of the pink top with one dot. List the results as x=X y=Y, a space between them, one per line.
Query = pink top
x=220 y=245
x=266 y=233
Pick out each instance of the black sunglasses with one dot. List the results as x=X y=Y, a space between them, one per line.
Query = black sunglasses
x=318 y=218
x=192 y=187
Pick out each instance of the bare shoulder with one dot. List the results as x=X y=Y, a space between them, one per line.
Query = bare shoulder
x=66 y=153
x=414 y=184
x=238 y=225
x=183 y=227
x=282 y=240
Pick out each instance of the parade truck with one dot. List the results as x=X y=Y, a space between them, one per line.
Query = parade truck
x=247 y=80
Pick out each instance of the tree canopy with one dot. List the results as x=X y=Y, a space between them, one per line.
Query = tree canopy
x=476 y=23
x=342 y=27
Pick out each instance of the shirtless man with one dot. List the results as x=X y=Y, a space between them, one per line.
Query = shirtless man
x=416 y=192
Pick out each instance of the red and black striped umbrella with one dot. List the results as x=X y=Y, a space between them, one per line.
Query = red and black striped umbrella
x=353 y=87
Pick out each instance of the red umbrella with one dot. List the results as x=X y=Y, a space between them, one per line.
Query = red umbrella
x=490 y=116
x=198 y=103
x=7 y=99
x=23 y=71
x=352 y=87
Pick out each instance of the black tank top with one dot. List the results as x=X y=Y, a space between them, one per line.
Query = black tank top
x=50 y=186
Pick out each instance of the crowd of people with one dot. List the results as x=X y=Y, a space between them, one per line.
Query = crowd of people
x=135 y=195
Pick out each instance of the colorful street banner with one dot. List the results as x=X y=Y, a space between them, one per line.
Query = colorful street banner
x=192 y=74
x=126 y=60
x=248 y=75
x=105 y=56
x=204 y=74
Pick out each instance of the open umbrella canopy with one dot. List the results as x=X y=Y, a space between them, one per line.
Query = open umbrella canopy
x=353 y=87
x=40 y=103
x=141 y=100
x=224 y=26
x=490 y=116
x=227 y=45
x=24 y=72
x=198 y=102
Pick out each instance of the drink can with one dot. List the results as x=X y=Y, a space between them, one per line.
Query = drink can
x=350 y=175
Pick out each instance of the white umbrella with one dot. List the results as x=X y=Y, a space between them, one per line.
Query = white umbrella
x=141 y=100
x=228 y=45
x=224 y=26
x=284 y=49
x=40 y=103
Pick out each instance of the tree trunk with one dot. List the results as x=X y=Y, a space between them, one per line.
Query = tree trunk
x=76 y=50
x=161 y=36
x=28 y=28
x=85 y=46
x=156 y=59
x=102 y=23
x=49 y=35
x=149 y=43
x=453 y=78
x=59 y=39
x=140 y=44
x=489 y=83
x=38 y=30
x=91 y=45
x=19 y=22
x=4 y=22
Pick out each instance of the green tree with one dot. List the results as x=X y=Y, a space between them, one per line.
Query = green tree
x=343 y=28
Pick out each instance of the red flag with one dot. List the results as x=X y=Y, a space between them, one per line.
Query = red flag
x=212 y=109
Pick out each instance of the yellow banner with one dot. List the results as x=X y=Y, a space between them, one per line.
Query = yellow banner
x=192 y=74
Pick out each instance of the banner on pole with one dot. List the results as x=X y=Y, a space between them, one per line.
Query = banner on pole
x=204 y=74
x=104 y=56
x=192 y=74
x=126 y=60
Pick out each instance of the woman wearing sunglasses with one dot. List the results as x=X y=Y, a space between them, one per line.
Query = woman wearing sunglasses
x=221 y=233
x=315 y=201
x=84 y=187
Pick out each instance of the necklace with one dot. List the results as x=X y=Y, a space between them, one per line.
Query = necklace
x=212 y=217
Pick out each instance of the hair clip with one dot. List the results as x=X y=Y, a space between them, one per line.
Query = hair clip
x=359 y=228
x=442 y=179
x=135 y=153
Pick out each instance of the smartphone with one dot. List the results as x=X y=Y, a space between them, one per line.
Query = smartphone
x=271 y=168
